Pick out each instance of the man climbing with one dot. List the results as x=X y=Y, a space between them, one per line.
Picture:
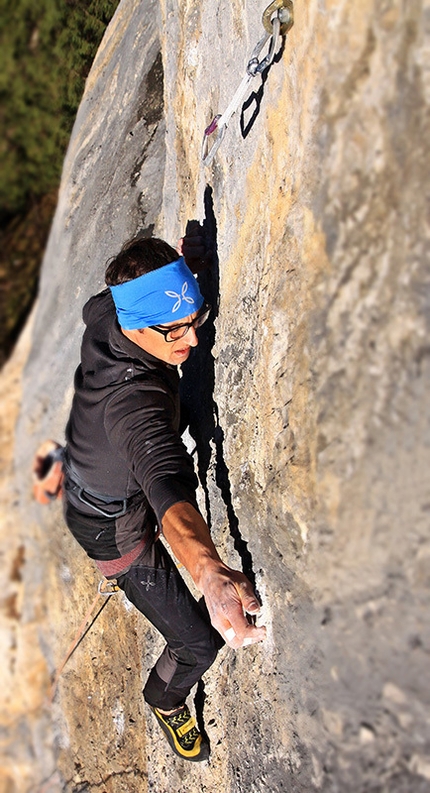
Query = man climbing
x=129 y=476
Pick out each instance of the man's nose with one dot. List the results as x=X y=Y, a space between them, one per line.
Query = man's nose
x=191 y=337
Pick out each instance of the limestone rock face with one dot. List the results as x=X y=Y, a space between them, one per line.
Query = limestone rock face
x=309 y=397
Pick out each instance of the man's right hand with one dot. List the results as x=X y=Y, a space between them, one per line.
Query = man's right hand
x=228 y=594
x=229 y=597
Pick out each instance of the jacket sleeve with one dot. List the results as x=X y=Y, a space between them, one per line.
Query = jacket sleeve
x=140 y=425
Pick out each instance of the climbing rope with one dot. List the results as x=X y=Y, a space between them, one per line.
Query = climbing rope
x=105 y=589
x=277 y=20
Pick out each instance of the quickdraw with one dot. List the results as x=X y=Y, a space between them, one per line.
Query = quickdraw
x=277 y=20
x=105 y=589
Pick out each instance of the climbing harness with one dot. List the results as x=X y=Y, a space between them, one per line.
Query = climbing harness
x=274 y=26
x=105 y=589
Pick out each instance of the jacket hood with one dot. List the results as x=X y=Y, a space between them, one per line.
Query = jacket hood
x=107 y=356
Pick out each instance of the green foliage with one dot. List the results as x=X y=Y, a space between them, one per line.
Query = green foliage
x=46 y=50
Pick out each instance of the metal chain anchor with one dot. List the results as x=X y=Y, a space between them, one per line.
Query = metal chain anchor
x=285 y=11
x=278 y=19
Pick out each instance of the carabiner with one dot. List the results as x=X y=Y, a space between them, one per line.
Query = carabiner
x=107 y=587
x=254 y=65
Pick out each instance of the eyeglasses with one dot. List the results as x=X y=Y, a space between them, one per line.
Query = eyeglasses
x=179 y=331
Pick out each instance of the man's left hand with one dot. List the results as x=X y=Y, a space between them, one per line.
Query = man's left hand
x=193 y=248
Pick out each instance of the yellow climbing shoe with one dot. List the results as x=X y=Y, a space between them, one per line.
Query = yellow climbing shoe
x=181 y=731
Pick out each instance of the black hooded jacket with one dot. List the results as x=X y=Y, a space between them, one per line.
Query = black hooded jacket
x=123 y=436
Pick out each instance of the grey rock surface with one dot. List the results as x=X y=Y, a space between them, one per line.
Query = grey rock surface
x=309 y=396
x=111 y=186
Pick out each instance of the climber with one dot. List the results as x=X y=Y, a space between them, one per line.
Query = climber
x=128 y=476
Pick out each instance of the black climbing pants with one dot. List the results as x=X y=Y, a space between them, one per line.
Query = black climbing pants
x=154 y=585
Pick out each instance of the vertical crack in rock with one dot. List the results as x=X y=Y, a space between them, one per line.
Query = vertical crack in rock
x=223 y=482
x=150 y=111
x=198 y=387
x=151 y=108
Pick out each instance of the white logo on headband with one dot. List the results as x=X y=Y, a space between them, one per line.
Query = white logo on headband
x=181 y=297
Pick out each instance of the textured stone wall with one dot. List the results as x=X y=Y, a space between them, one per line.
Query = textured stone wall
x=309 y=396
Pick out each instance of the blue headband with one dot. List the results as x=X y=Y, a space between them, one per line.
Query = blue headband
x=164 y=295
